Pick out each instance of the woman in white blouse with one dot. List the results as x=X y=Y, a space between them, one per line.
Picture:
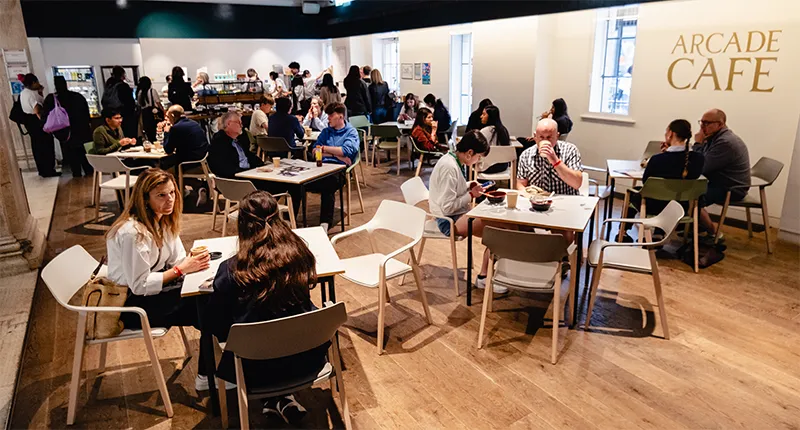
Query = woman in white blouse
x=316 y=118
x=145 y=253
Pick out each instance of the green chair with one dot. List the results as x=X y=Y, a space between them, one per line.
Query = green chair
x=763 y=174
x=387 y=139
x=361 y=122
x=363 y=135
x=423 y=153
x=89 y=147
x=680 y=190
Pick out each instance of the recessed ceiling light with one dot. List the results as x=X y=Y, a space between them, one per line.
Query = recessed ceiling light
x=341 y=2
x=122 y=4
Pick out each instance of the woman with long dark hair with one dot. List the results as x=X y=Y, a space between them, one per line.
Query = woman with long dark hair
x=268 y=278
x=424 y=131
x=329 y=92
x=495 y=133
x=474 y=122
x=440 y=114
x=357 y=100
x=558 y=113
x=180 y=91
x=409 y=109
x=151 y=111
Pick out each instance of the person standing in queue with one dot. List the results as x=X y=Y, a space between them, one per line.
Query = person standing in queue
x=180 y=91
x=121 y=98
x=357 y=100
x=150 y=109
x=328 y=92
x=42 y=144
x=379 y=96
x=79 y=132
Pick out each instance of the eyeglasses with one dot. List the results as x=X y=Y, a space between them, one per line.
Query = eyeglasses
x=705 y=123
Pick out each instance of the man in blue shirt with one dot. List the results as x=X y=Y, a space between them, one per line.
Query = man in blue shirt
x=338 y=144
x=282 y=124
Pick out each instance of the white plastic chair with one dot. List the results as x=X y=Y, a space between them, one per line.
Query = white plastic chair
x=376 y=269
x=234 y=191
x=64 y=276
x=415 y=192
x=193 y=173
x=499 y=154
x=529 y=262
x=285 y=337
x=110 y=164
x=634 y=257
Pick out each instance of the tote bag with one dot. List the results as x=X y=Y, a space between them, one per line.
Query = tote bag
x=57 y=119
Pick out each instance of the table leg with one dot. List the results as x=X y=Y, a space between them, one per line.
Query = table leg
x=341 y=206
x=577 y=271
x=591 y=237
x=207 y=346
x=331 y=289
x=322 y=294
x=303 y=203
x=610 y=208
x=469 y=261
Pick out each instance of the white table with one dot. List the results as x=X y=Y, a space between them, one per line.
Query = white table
x=514 y=142
x=328 y=265
x=139 y=153
x=312 y=174
x=570 y=213
x=620 y=169
x=312 y=137
x=401 y=126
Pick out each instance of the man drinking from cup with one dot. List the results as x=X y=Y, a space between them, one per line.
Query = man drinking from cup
x=552 y=165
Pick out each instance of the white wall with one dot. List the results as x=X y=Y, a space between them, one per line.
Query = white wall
x=83 y=52
x=161 y=55
x=790 y=217
x=429 y=45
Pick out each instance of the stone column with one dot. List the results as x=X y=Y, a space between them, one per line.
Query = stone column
x=21 y=243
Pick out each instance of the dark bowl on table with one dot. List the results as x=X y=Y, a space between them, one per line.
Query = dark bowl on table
x=495 y=197
x=541 y=206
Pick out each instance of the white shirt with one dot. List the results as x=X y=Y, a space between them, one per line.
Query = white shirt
x=29 y=98
x=449 y=191
x=490 y=135
x=317 y=124
x=135 y=261
x=275 y=86
x=258 y=123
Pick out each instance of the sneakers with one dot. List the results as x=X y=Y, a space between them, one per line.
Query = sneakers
x=202 y=197
x=480 y=283
x=286 y=407
x=201 y=383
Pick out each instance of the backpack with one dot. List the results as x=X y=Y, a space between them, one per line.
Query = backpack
x=111 y=98
x=17 y=114
x=57 y=119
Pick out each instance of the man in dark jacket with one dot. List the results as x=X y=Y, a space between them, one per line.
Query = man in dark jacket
x=130 y=121
x=79 y=131
x=183 y=137
x=230 y=149
x=282 y=124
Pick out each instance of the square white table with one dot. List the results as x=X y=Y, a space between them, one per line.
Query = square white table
x=139 y=153
x=620 y=169
x=328 y=265
x=401 y=126
x=312 y=174
x=570 y=213
x=312 y=137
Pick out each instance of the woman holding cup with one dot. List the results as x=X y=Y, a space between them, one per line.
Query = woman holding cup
x=145 y=253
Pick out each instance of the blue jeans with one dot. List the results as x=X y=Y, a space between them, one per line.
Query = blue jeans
x=444 y=224
x=379 y=115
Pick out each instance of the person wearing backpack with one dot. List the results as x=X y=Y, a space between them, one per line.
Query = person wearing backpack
x=42 y=144
x=150 y=109
x=79 y=131
x=118 y=95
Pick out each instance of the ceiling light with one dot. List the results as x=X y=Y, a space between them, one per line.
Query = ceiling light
x=341 y=2
x=122 y=4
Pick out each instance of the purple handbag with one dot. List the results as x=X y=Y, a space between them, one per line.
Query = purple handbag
x=57 y=119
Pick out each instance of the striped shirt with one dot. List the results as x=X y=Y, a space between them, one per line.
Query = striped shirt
x=538 y=171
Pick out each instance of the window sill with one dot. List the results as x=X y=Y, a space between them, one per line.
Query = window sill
x=614 y=119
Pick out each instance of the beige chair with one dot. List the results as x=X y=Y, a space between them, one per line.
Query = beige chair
x=351 y=174
x=376 y=269
x=280 y=338
x=602 y=192
x=122 y=179
x=65 y=276
x=234 y=191
x=415 y=192
x=529 y=262
x=498 y=154
x=762 y=175
x=200 y=171
x=634 y=257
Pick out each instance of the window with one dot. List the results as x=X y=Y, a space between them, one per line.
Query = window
x=461 y=76
x=390 y=68
x=327 y=53
x=614 y=47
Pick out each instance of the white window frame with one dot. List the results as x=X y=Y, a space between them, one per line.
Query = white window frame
x=461 y=76
x=604 y=83
x=327 y=53
x=390 y=62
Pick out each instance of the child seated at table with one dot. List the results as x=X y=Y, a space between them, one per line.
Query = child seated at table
x=268 y=278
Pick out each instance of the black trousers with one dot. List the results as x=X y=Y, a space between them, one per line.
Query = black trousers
x=166 y=309
x=42 y=146
x=327 y=187
x=75 y=155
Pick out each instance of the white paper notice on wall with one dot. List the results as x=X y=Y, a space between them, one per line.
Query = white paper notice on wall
x=15 y=56
x=16 y=62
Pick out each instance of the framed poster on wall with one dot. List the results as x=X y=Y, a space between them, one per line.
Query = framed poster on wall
x=417 y=71
x=426 y=73
x=406 y=70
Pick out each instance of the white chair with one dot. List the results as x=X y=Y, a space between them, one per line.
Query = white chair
x=634 y=257
x=123 y=181
x=376 y=269
x=193 y=172
x=602 y=192
x=64 y=277
x=234 y=191
x=529 y=262
x=499 y=154
x=285 y=337
x=415 y=192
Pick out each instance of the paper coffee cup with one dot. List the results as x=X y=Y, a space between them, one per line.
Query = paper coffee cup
x=198 y=250
x=276 y=161
x=511 y=199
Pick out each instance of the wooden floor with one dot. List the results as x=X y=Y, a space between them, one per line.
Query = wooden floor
x=732 y=361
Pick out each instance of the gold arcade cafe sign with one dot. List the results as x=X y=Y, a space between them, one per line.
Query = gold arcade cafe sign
x=703 y=59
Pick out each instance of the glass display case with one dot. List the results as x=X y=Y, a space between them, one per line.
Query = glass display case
x=230 y=91
x=81 y=79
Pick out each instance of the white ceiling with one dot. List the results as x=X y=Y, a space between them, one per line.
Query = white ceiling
x=288 y=3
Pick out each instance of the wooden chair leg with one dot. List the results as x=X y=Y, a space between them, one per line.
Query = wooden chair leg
x=593 y=291
x=187 y=350
x=419 y=165
x=765 y=213
x=214 y=211
x=337 y=366
x=573 y=282
x=97 y=197
x=695 y=227
x=363 y=176
x=643 y=215
x=358 y=190
x=225 y=217
x=241 y=391
x=77 y=365
x=625 y=204
x=223 y=402
x=487 y=296
x=398 y=158
x=418 y=279
x=408 y=261
x=180 y=179
x=722 y=217
x=381 y=305
x=349 y=194
x=454 y=255
x=659 y=295
x=103 y=357
x=749 y=223
x=556 y=314
x=159 y=374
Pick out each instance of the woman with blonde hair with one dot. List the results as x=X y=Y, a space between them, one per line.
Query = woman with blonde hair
x=379 y=93
x=145 y=253
x=267 y=279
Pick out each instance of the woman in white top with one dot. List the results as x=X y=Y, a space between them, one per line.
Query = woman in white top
x=316 y=118
x=42 y=144
x=451 y=195
x=145 y=253
x=275 y=86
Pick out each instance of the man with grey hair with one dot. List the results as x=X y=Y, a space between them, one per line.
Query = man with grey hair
x=230 y=148
x=551 y=164
x=726 y=165
x=183 y=137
